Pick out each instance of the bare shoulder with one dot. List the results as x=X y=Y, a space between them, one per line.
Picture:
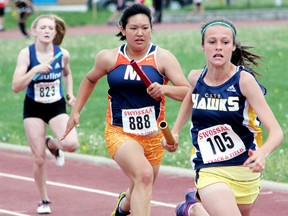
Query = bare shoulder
x=24 y=52
x=106 y=58
x=244 y=75
x=194 y=76
x=246 y=82
x=246 y=79
x=107 y=53
x=66 y=54
x=163 y=53
x=23 y=56
x=166 y=61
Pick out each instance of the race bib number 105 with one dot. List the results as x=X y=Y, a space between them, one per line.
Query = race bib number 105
x=139 y=121
x=219 y=143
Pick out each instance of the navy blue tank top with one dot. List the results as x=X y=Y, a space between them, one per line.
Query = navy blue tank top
x=223 y=109
x=48 y=87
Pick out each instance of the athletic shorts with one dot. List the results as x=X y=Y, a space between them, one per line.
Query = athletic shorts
x=43 y=111
x=152 y=147
x=243 y=182
x=2 y=12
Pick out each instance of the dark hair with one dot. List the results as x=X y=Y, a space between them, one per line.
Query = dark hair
x=240 y=56
x=132 y=10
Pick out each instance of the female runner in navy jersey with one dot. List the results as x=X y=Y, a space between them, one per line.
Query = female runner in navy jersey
x=132 y=136
x=227 y=105
x=45 y=102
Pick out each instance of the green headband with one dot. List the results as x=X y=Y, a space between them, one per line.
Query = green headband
x=218 y=23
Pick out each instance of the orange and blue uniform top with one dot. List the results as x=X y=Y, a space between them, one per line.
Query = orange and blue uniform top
x=223 y=124
x=128 y=92
x=48 y=87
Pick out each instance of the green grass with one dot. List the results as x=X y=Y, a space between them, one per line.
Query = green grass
x=270 y=42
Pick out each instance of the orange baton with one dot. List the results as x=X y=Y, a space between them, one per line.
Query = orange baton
x=163 y=125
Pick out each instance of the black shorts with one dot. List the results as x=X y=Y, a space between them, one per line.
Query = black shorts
x=43 y=111
x=2 y=12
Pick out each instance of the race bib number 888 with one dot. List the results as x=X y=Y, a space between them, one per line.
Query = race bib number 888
x=139 y=121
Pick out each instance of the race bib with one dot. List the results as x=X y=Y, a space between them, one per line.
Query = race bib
x=139 y=121
x=47 y=92
x=219 y=143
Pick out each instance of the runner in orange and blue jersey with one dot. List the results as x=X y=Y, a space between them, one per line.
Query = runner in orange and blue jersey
x=134 y=110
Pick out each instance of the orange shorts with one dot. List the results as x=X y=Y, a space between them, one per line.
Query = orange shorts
x=152 y=147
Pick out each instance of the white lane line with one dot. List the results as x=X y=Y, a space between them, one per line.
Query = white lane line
x=80 y=188
x=11 y=213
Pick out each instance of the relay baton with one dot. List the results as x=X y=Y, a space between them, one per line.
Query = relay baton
x=58 y=55
x=142 y=75
x=163 y=125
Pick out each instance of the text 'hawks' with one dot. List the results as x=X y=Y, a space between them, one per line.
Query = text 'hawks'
x=221 y=104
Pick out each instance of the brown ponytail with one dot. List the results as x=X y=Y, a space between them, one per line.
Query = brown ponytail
x=60 y=29
x=241 y=56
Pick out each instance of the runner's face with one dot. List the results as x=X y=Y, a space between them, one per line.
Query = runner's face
x=45 y=30
x=218 y=44
x=138 y=32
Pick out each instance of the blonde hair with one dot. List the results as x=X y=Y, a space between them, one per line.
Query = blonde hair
x=60 y=26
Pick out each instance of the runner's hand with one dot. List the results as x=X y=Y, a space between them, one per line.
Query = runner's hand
x=71 y=100
x=170 y=147
x=255 y=161
x=72 y=122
